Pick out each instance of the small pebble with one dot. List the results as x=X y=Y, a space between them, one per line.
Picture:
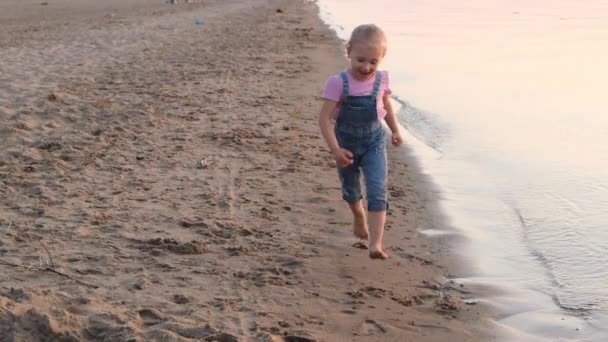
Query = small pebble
x=142 y=283
x=181 y=299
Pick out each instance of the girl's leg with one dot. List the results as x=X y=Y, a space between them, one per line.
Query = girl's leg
x=377 y=220
x=359 y=221
x=350 y=178
x=375 y=170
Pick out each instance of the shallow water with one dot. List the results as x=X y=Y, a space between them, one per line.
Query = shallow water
x=505 y=100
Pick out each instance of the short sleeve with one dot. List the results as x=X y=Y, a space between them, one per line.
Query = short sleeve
x=386 y=85
x=333 y=89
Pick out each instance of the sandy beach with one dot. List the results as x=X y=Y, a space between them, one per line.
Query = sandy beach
x=163 y=178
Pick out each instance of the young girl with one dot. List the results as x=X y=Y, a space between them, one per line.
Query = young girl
x=358 y=100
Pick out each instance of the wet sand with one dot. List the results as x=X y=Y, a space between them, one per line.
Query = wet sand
x=165 y=180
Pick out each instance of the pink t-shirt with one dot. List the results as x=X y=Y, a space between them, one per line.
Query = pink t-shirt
x=333 y=90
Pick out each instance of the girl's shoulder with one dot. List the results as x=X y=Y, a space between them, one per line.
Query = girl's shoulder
x=333 y=88
x=334 y=81
x=385 y=77
x=337 y=79
x=339 y=76
x=385 y=84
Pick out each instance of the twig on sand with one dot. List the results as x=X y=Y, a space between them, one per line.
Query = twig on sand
x=48 y=269
x=52 y=266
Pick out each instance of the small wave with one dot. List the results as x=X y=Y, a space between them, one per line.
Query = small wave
x=578 y=310
x=425 y=126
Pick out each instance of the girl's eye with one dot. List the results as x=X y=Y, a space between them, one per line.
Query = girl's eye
x=360 y=60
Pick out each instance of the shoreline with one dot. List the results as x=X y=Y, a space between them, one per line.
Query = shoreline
x=254 y=245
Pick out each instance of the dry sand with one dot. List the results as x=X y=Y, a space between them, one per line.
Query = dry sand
x=161 y=180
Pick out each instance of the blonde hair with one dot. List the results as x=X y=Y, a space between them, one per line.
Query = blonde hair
x=367 y=33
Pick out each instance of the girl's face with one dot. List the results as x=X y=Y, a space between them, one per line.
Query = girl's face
x=364 y=59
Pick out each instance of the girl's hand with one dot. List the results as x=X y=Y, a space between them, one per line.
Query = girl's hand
x=397 y=139
x=343 y=157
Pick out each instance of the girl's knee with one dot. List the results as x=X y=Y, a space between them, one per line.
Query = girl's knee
x=351 y=195
x=351 y=185
x=377 y=204
x=377 y=197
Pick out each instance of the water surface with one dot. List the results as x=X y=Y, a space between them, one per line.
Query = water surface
x=506 y=101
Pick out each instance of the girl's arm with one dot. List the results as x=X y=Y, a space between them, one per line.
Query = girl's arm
x=392 y=122
x=343 y=157
x=390 y=118
x=326 y=125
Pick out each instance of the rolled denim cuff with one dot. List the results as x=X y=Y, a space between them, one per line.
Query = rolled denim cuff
x=377 y=206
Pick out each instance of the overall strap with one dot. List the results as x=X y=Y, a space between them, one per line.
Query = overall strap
x=345 y=87
x=377 y=84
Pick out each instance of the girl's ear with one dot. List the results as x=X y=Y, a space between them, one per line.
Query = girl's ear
x=348 y=49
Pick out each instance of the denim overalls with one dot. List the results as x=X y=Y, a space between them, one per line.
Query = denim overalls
x=359 y=131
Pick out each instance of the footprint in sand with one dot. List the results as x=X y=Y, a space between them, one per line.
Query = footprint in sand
x=299 y=337
x=151 y=317
x=407 y=300
x=370 y=327
x=360 y=245
x=374 y=291
x=172 y=245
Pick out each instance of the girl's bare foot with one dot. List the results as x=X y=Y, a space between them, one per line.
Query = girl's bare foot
x=360 y=227
x=377 y=254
